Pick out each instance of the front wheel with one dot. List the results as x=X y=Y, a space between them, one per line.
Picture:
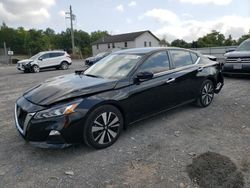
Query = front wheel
x=103 y=127
x=35 y=69
x=206 y=94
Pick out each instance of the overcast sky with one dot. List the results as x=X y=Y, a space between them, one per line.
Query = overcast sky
x=183 y=19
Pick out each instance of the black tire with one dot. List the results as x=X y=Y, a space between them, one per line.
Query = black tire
x=97 y=133
x=206 y=94
x=35 y=69
x=64 y=65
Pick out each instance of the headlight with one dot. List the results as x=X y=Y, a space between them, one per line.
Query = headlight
x=58 y=111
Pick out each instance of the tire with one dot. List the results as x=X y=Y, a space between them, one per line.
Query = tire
x=64 y=65
x=206 y=94
x=35 y=69
x=97 y=133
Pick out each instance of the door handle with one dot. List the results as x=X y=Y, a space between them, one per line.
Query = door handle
x=200 y=69
x=170 y=80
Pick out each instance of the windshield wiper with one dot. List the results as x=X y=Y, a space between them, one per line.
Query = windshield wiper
x=91 y=75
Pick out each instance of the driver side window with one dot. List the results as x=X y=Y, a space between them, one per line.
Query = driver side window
x=158 y=62
x=44 y=56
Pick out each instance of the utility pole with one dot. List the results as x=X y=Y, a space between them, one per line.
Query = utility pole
x=5 y=49
x=72 y=18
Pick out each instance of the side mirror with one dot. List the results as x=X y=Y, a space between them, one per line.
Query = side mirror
x=40 y=59
x=144 y=75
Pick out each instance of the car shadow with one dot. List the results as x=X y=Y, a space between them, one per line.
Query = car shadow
x=212 y=170
x=240 y=77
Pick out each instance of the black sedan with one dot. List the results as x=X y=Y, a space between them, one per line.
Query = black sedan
x=92 y=60
x=95 y=105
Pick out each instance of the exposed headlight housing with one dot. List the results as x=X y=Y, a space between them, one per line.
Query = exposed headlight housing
x=58 y=110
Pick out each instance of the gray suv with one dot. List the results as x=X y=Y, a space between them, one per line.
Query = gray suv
x=46 y=59
x=238 y=61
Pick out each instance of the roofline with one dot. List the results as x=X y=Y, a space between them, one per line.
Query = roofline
x=152 y=50
x=95 y=43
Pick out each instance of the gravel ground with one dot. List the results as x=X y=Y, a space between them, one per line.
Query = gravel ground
x=186 y=147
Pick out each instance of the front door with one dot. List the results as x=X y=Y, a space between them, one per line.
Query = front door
x=153 y=95
x=44 y=60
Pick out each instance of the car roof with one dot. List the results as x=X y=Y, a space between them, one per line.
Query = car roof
x=147 y=50
x=61 y=51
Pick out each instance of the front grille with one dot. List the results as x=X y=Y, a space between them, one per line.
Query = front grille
x=21 y=116
x=238 y=60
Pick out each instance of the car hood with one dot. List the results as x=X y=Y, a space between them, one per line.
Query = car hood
x=238 y=54
x=68 y=86
x=25 y=61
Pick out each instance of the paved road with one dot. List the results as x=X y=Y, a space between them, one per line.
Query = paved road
x=152 y=153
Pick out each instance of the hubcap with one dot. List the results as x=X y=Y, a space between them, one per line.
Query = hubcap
x=207 y=94
x=36 y=69
x=105 y=128
x=64 y=66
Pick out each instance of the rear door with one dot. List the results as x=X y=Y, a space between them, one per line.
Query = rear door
x=156 y=94
x=186 y=66
x=56 y=58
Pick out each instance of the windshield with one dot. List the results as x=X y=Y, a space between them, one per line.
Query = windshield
x=35 y=56
x=244 y=46
x=101 y=54
x=114 y=66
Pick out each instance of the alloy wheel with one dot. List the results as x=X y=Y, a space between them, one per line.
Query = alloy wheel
x=36 y=69
x=207 y=94
x=64 y=66
x=105 y=128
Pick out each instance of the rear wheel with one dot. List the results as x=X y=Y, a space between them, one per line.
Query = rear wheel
x=64 y=65
x=35 y=69
x=206 y=94
x=103 y=127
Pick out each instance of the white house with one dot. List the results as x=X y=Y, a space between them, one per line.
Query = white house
x=125 y=41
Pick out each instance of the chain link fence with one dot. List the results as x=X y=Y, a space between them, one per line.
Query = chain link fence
x=218 y=52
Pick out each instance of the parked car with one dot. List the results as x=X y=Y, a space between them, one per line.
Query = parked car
x=238 y=61
x=92 y=60
x=43 y=60
x=95 y=105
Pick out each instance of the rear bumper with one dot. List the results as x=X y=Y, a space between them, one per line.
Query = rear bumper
x=220 y=83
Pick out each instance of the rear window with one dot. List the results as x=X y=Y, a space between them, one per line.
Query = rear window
x=181 y=58
x=56 y=54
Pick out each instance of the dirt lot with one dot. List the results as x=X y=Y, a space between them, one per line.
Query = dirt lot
x=186 y=147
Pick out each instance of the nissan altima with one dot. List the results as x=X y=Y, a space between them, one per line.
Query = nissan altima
x=95 y=105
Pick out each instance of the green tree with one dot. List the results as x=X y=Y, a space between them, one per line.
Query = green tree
x=180 y=43
x=97 y=35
